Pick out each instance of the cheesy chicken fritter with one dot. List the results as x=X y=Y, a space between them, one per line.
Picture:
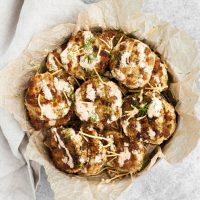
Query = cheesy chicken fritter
x=148 y=117
x=85 y=55
x=67 y=148
x=48 y=101
x=98 y=102
x=96 y=152
x=132 y=63
x=75 y=151
x=125 y=155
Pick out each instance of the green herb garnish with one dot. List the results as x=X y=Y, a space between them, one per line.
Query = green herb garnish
x=90 y=58
x=143 y=110
x=60 y=110
x=94 y=117
x=88 y=44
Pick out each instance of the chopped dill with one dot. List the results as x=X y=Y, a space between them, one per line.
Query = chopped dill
x=88 y=44
x=60 y=110
x=90 y=58
x=143 y=110
x=94 y=117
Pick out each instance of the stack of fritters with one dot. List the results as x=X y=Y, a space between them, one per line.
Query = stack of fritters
x=93 y=121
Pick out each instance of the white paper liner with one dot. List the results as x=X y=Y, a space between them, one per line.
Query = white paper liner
x=175 y=47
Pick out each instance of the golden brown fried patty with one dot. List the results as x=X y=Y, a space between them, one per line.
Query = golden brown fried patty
x=149 y=118
x=85 y=55
x=132 y=63
x=48 y=101
x=67 y=148
x=96 y=153
x=124 y=155
x=98 y=102
x=76 y=151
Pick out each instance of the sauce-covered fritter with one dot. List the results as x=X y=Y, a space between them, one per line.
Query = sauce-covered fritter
x=148 y=117
x=48 y=101
x=125 y=155
x=132 y=63
x=85 y=55
x=98 y=102
x=67 y=148
x=76 y=151
x=96 y=153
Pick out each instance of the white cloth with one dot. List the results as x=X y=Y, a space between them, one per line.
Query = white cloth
x=19 y=20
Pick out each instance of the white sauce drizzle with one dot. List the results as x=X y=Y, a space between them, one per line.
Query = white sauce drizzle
x=96 y=159
x=62 y=85
x=125 y=59
x=156 y=78
x=70 y=54
x=151 y=133
x=114 y=91
x=67 y=160
x=110 y=140
x=138 y=126
x=48 y=111
x=154 y=108
x=86 y=110
x=87 y=35
x=62 y=109
x=89 y=65
x=75 y=137
x=125 y=125
x=46 y=90
x=124 y=155
x=90 y=92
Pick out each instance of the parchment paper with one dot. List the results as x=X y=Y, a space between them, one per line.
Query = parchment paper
x=176 y=48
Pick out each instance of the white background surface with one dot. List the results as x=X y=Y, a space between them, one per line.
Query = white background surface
x=179 y=182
